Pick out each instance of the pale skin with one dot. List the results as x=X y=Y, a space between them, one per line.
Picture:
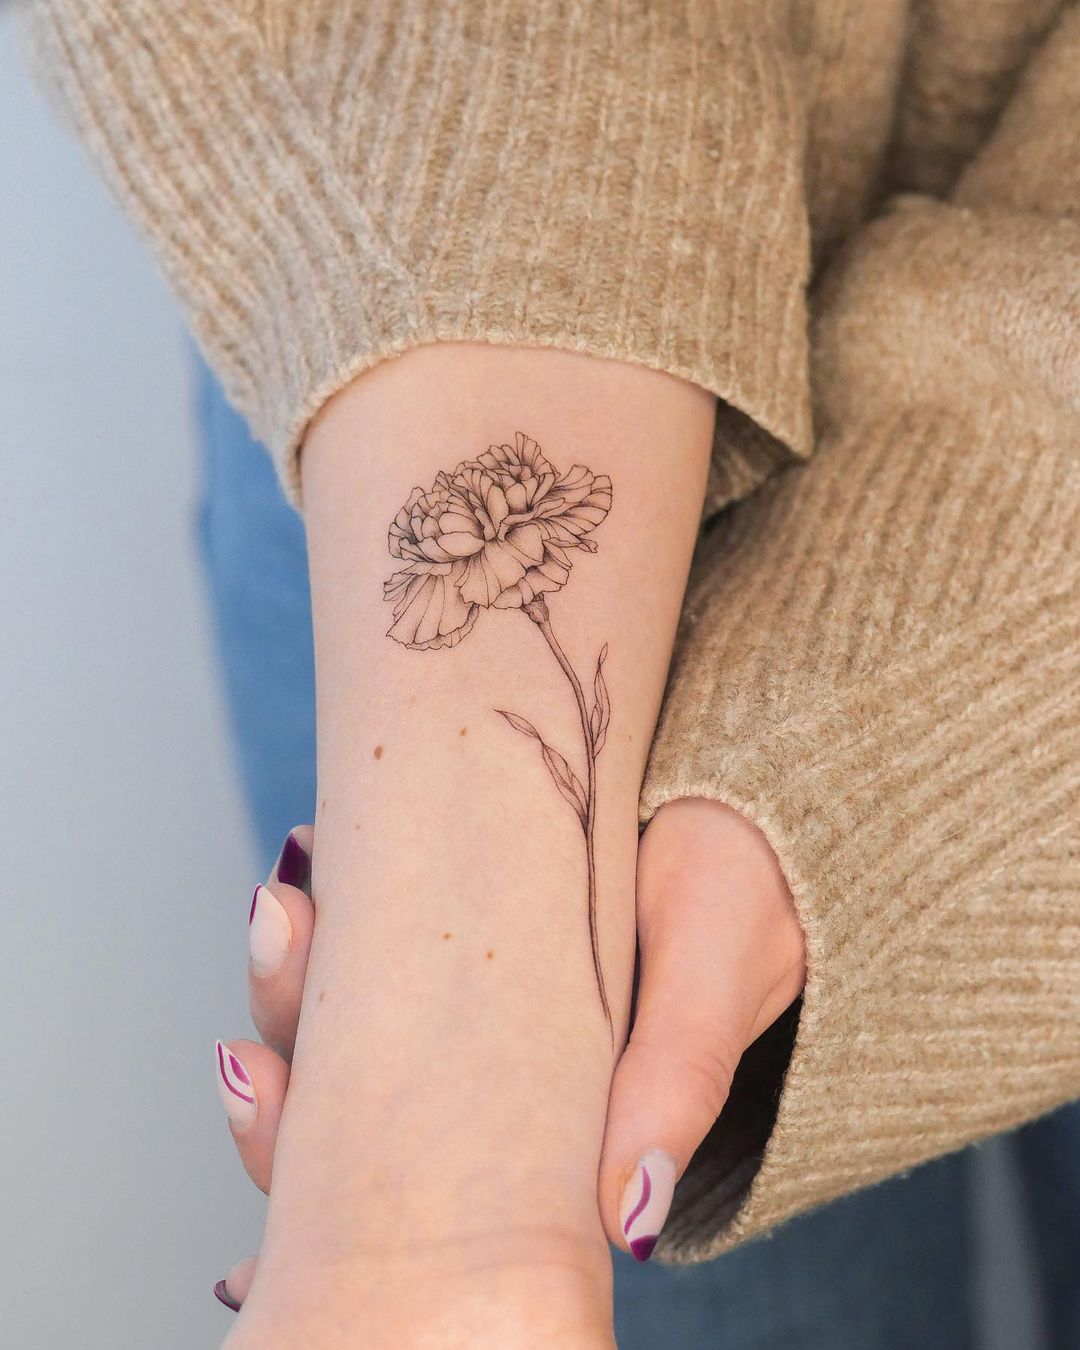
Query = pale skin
x=448 y=1106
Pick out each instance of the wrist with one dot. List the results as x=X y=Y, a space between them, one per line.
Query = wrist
x=486 y=1302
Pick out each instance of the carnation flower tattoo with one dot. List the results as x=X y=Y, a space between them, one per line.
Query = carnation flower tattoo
x=499 y=533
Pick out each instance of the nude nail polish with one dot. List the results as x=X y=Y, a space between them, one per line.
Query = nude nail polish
x=645 y=1202
x=234 y=1085
x=294 y=865
x=222 y=1295
x=269 y=932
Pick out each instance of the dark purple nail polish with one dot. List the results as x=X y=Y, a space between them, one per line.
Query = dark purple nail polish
x=223 y=1296
x=294 y=865
x=642 y=1248
x=254 y=902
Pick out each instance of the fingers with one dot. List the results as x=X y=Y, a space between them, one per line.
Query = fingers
x=721 y=957
x=252 y=1081
x=233 y=1289
x=280 y=926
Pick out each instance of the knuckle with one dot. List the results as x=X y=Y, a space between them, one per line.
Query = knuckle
x=707 y=1066
x=701 y=1061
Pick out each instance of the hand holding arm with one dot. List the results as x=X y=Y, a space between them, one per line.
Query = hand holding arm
x=453 y=1046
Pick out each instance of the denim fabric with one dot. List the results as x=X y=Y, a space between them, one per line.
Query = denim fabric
x=255 y=560
x=1048 y=1153
x=886 y=1269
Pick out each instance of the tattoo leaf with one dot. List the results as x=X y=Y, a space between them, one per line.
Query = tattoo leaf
x=519 y=724
x=567 y=782
x=565 y=779
x=601 y=713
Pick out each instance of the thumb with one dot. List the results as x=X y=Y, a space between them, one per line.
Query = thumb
x=722 y=956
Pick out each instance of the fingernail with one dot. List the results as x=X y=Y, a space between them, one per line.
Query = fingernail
x=294 y=865
x=646 y=1199
x=234 y=1084
x=269 y=932
x=222 y=1295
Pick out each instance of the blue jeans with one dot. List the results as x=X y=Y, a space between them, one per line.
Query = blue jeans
x=886 y=1269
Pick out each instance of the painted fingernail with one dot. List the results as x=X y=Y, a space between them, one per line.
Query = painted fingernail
x=269 y=932
x=294 y=865
x=222 y=1295
x=646 y=1199
x=234 y=1084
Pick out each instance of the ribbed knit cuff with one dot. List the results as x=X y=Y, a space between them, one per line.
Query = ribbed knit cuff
x=939 y=1006
x=330 y=189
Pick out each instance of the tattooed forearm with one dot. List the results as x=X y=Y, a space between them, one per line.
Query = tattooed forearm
x=498 y=533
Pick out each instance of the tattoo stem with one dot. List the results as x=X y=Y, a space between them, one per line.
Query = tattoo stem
x=538 y=612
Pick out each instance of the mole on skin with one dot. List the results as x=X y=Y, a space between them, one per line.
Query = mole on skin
x=490 y=955
x=378 y=752
x=464 y=731
x=447 y=936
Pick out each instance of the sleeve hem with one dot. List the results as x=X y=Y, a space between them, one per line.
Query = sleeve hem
x=555 y=203
x=905 y=991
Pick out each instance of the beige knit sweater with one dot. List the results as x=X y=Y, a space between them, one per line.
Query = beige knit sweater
x=880 y=659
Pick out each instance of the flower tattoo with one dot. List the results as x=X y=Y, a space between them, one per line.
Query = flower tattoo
x=499 y=533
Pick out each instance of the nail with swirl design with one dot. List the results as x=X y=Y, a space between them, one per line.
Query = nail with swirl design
x=646 y=1199
x=234 y=1085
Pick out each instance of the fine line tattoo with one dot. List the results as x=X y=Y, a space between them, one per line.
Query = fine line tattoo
x=497 y=533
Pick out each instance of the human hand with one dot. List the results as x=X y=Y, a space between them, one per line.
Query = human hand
x=722 y=955
x=281 y=922
x=253 y=1080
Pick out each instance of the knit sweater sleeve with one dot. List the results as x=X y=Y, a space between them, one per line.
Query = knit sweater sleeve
x=880 y=666
x=331 y=184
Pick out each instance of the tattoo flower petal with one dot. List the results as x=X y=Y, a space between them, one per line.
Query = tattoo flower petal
x=510 y=519
x=429 y=610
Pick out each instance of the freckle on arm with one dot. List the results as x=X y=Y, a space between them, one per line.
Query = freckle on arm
x=378 y=752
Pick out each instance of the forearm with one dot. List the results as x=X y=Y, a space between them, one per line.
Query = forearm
x=455 y=1014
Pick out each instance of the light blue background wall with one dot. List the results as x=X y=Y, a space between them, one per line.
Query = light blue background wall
x=126 y=872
